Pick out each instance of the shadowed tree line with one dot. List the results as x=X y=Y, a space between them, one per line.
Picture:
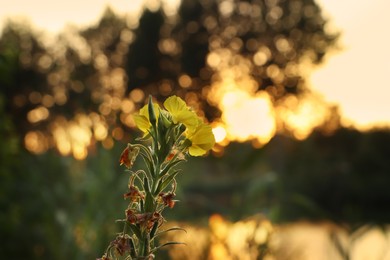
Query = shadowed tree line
x=55 y=207
x=342 y=178
x=87 y=70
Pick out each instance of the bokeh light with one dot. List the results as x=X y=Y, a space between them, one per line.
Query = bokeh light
x=301 y=115
x=248 y=87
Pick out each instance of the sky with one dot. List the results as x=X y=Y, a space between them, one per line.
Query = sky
x=355 y=78
x=53 y=16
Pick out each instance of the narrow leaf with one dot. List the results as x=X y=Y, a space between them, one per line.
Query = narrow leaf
x=168 y=180
x=133 y=252
x=135 y=230
x=169 y=166
x=154 y=230
x=149 y=205
x=167 y=244
x=144 y=138
x=146 y=184
x=158 y=188
x=147 y=245
x=171 y=229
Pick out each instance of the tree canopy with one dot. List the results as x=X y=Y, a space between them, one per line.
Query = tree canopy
x=104 y=72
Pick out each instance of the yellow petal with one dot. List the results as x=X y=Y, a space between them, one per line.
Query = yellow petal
x=180 y=112
x=142 y=123
x=188 y=118
x=202 y=140
x=196 y=151
x=142 y=118
x=174 y=104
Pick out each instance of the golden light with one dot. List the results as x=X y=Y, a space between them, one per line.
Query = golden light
x=61 y=139
x=127 y=119
x=137 y=95
x=248 y=117
x=219 y=133
x=300 y=115
x=36 y=142
x=260 y=58
x=361 y=92
x=100 y=131
x=47 y=101
x=251 y=115
x=60 y=97
x=37 y=114
x=165 y=88
x=35 y=97
x=218 y=226
x=185 y=81
x=127 y=106
x=74 y=136
x=246 y=114
x=213 y=59
x=238 y=240
x=79 y=151
x=108 y=143
x=118 y=133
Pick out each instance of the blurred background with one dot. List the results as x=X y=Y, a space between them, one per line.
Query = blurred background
x=295 y=91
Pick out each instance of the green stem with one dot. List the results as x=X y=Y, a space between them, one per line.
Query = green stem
x=124 y=228
x=155 y=184
x=147 y=152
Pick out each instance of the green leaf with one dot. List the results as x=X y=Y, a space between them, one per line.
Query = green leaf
x=169 y=166
x=158 y=188
x=152 y=113
x=167 y=244
x=136 y=230
x=146 y=137
x=133 y=250
x=141 y=205
x=146 y=185
x=146 y=245
x=169 y=230
x=168 y=180
x=149 y=202
x=154 y=230
x=149 y=164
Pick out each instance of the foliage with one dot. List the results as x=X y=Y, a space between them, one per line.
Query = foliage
x=342 y=177
x=52 y=204
x=108 y=69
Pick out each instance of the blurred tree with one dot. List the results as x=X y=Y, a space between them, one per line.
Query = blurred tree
x=342 y=177
x=49 y=87
x=105 y=71
x=19 y=79
x=276 y=37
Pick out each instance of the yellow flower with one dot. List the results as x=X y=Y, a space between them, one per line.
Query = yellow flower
x=180 y=112
x=202 y=140
x=142 y=118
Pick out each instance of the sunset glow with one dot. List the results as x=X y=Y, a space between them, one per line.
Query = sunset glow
x=247 y=114
x=301 y=115
x=248 y=117
x=356 y=77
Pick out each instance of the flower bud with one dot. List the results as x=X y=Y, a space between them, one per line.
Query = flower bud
x=152 y=113
x=164 y=119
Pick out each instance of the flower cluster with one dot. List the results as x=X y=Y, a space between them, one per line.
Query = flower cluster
x=172 y=132
x=198 y=135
